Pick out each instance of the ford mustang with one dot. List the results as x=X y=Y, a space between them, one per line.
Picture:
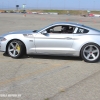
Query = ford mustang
x=62 y=38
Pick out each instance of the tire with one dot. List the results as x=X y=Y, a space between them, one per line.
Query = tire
x=16 y=49
x=90 y=52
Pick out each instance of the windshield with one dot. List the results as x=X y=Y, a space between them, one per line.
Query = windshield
x=44 y=28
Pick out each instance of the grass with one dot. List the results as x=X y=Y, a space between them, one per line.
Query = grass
x=72 y=12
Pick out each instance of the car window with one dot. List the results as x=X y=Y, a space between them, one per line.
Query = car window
x=57 y=29
x=62 y=29
x=82 y=30
x=54 y=29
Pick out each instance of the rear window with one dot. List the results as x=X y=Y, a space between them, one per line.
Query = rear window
x=82 y=30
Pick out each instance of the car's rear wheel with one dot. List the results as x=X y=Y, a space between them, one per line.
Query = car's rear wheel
x=16 y=49
x=90 y=52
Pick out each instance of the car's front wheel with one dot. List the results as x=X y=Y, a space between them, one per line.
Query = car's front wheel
x=90 y=52
x=15 y=49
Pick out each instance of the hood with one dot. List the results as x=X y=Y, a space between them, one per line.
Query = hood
x=19 y=32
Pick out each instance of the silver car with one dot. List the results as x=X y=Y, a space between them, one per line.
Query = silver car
x=63 y=38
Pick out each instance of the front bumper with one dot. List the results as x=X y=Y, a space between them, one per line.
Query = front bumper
x=2 y=46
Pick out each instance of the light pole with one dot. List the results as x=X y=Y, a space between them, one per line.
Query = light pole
x=37 y=4
x=94 y=4
x=17 y=6
x=80 y=11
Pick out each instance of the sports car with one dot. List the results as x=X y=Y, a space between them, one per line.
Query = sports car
x=61 y=38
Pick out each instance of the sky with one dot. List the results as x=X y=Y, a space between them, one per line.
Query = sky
x=51 y=4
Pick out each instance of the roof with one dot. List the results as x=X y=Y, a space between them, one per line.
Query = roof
x=70 y=23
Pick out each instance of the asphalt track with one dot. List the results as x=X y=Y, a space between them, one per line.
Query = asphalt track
x=46 y=77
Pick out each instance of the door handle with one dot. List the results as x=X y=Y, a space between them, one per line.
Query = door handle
x=69 y=38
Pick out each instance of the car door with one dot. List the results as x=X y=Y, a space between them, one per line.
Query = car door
x=54 y=43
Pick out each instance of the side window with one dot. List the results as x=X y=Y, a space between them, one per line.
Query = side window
x=62 y=29
x=56 y=29
x=82 y=30
x=68 y=29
